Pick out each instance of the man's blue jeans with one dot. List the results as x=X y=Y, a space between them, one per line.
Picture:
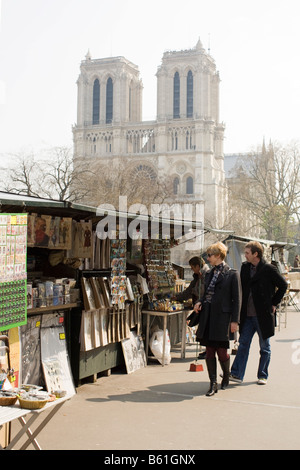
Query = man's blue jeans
x=240 y=362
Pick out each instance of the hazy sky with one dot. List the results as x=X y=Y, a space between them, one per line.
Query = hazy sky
x=255 y=45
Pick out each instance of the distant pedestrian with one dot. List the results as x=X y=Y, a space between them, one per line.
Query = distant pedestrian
x=219 y=310
x=195 y=289
x=263 y=288
x=296 y=262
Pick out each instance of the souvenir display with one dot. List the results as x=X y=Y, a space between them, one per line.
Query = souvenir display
x=47 y=293
x=107 y=316
x=112 y=296
x=13 y=270
x=160 y=274
x=118 y=270
x=50 y=247
x=167 y=305
x=110 y=303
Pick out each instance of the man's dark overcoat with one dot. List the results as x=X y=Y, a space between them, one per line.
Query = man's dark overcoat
x=268 y=288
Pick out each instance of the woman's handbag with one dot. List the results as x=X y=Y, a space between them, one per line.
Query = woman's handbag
x=193 y=319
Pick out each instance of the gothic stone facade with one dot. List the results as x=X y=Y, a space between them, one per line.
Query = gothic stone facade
x=184 y=143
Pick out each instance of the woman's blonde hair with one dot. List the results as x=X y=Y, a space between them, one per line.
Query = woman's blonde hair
x=218 y=249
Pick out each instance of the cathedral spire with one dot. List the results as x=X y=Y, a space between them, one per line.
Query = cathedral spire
x=199 y=45
x=263 y=149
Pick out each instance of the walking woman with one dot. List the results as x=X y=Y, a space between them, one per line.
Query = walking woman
x=219 y=310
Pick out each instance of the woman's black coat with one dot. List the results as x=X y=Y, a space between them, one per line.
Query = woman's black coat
x=225 y=305
x=268 y=287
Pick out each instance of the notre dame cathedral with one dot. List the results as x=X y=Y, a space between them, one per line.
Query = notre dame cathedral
x=183 y=146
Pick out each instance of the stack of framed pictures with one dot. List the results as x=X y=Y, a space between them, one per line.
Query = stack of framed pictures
x=103 y=322
x=100 y=327
x=96 y=293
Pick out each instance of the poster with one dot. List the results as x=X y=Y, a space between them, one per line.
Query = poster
x=82 y=246
x=54 y=355
x=134 y=352
x=50 y=232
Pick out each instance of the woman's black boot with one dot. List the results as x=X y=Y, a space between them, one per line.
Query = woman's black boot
x=212 y=373
x=225 y=368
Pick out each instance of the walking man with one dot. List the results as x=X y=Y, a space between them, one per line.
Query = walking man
x=262 y=290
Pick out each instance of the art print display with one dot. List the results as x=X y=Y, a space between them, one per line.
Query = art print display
x=82 y=240
x=31 y=351
x=134 y=352
x=97 y=291
x=86 y=332
x=50 y=232
x=54 y=356
x=103 y=326
x=105 y=289
x=107 y=317
x=95 y=329
x=88 y=294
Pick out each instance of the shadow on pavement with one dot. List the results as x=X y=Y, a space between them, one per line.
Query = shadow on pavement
x=171 y=392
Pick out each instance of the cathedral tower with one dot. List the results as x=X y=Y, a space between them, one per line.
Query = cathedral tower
x=184 y=144
x=188 y=86
x=109 y=92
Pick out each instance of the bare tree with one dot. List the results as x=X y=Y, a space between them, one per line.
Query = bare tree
x=52 y=176
x=267 y=184
x=61 y=180
x=22 y=176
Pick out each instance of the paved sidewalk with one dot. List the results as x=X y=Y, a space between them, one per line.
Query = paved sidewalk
x=165 y=408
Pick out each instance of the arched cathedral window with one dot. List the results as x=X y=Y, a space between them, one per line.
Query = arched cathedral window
x=189 y=94
x=175 y=185
x=189 y=185
x=176 y=96
x=96 y=101
x=109 y=101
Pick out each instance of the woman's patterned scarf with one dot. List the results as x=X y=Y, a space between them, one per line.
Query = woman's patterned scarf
x=211 y=288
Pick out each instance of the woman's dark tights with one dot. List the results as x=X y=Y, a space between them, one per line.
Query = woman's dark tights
x=221 y=352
